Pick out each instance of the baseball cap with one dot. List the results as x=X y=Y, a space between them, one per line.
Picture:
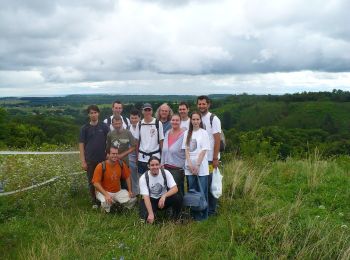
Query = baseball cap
x=147 y=105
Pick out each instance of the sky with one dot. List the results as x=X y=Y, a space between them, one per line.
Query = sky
x=61 y=47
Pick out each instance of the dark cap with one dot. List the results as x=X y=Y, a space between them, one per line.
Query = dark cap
x=147 y=105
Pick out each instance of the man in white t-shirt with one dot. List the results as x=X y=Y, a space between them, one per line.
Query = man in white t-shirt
x=159 y=191
x=150 y=138
x=117 y=109
x=183 y=112
x=214 y=130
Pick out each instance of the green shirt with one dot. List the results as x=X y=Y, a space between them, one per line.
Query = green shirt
x=123 y=139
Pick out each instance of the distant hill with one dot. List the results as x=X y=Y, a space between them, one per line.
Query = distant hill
x=79 y=100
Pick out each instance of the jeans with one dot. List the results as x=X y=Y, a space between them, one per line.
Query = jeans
x=89 y=174
x=192 y=184
x=134 y=178
x=212 y=202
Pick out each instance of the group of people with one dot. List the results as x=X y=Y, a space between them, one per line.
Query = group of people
x=126 y=158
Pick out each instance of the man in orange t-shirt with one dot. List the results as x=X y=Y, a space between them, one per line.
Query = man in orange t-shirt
x=107 y=184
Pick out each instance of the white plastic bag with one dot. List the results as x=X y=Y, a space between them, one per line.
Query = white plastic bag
x=216 y=184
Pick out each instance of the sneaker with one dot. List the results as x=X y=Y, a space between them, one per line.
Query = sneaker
x=131 y=203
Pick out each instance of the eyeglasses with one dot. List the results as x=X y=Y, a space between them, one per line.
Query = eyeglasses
x=147 y=109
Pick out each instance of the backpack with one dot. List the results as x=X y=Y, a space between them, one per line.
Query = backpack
x=164 y=178
x=194 y=199
x=222 y=135
x=109 y=121
x=104 y=168
x=157 y=127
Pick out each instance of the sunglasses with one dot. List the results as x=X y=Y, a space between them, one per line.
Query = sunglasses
x=147 y=109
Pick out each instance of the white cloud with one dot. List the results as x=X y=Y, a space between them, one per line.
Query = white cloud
x=157 y=46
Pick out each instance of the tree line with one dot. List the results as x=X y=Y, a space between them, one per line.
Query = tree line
x=276 y=126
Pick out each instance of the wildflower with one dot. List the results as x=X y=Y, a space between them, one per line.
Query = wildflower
x=341 y=214
x=317 y=217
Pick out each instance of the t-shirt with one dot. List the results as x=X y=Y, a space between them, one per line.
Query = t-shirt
x=122 y=139
x=112 y=175
x=185 y=125
x=156 y=184
x=94 y=140
x=149 y=139
x=199 y=142
x=123 y=119
x=211 y=130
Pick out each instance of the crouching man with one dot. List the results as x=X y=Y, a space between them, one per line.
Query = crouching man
x=107 y=177
x=159 y=191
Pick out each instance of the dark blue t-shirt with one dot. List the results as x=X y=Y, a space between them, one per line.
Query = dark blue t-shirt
x=94 y=139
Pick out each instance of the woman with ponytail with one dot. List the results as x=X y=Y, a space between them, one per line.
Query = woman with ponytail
x=196 y=145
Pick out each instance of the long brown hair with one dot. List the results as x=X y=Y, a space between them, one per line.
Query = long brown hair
x=190 y=130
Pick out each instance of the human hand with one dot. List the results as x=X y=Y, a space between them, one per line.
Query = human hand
x=161 y=202
x=150 y=218
x=215 y=163
x=108 y=199
x=84 y=165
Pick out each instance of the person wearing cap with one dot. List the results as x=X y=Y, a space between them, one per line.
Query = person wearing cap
x=150 y=138
x=117 y=109
x=164 y=114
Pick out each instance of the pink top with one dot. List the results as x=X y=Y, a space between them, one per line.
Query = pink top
x=172 y=138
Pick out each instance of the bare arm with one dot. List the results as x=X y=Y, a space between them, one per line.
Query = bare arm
x=125 y=153
x=99 y=187
x=188 y=159
x=169 y=193
x=147 y=200
x=216 y=150
x=199 y=162
x=82 y=156
x=161 y=144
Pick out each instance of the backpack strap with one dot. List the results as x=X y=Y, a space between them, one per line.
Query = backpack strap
x=126 y=122
x=109 y=121
x=103 y=170
x=147 y=183
x=139 y=132
x=157 y=127
x=164 y=178
x=211 y=118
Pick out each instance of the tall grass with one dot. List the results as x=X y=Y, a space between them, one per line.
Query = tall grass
x=278 y=210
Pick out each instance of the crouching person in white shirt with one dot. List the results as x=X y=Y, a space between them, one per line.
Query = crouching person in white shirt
x=159 y=191
x=107 y=176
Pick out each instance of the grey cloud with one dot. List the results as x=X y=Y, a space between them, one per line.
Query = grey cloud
x=95 y=41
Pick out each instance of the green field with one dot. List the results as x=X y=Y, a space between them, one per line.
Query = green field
x=278 y=210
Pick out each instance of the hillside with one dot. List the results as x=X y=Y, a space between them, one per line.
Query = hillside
x=284 y=209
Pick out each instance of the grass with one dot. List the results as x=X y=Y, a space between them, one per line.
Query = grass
x=292 y=209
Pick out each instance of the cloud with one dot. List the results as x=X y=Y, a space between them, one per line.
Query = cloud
x=92 y=42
